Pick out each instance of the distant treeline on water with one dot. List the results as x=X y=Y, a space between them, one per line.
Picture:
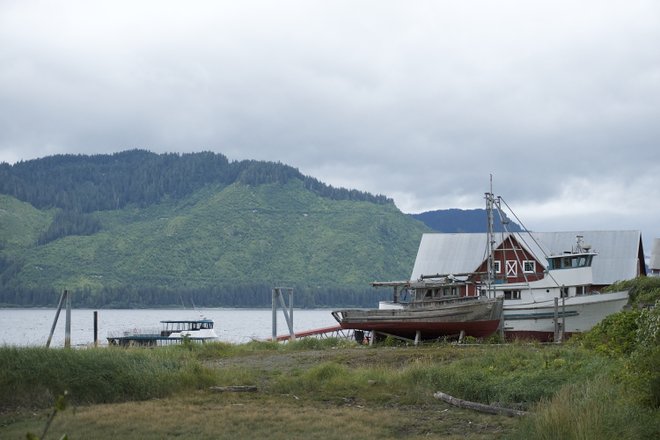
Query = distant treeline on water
x=255 y=296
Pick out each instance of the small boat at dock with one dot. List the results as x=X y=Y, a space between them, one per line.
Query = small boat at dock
x=171 y=332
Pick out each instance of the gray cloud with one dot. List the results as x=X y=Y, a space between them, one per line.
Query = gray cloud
x=419 y=101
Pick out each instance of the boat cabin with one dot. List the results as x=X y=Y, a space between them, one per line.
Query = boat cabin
x=169 y=327
x=570 y=261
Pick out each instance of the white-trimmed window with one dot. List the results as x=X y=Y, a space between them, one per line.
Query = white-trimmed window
x=512 y=294
x=529 y=266
x=497 y=267
x=511 y=268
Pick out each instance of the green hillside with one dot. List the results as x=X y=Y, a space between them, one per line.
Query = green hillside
x=219 y=244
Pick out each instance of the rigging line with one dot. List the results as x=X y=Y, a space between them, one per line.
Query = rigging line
x=519 y=235
x=510 y=234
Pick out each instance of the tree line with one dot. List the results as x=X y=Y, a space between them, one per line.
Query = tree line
x=247 y=296
x=67 y=223
x=84 y=183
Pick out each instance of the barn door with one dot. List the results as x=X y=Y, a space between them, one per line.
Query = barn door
x=511 y=268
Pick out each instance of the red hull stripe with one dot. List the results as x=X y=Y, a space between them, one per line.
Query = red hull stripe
x=429 y=330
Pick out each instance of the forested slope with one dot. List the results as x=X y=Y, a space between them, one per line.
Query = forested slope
x=119 y=230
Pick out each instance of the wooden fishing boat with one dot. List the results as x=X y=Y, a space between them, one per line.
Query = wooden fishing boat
x=433 y=312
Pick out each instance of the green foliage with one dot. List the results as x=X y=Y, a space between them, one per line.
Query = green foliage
x=635 y=337
x=107 y=182
x=222 y=246
x=511 y=376
x=644 y=364
x=59 y=406
x=33 y=376
x=67 y=223
x=598 y=408
x=615 y=336
x=20 y=225
x=319 y=343
x=644 y=291
x=572 y=393
x=515 y=375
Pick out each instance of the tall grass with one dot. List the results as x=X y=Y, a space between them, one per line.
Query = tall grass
x=34 y=376
x=580 y=392
x=596 y=409
x=514 y=376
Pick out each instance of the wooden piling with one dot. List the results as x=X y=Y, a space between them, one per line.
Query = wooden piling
x=96 y=328
x=57 y=315
x=67 y=325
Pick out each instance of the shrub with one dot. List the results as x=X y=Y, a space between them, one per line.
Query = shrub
x=643 y=290
x=614 y=336
x=644 y=364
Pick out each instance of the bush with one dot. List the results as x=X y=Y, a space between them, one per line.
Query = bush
x=614 y=336
x=643 y=290
x=644 y=364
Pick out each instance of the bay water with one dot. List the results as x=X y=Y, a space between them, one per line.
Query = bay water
x=31 y=327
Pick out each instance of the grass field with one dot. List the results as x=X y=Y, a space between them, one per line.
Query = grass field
x=318 y=389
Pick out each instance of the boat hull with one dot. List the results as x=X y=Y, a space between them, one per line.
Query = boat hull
x=579 y=314
x=476 y=317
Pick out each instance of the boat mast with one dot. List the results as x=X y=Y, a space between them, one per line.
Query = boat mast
x=490 y=200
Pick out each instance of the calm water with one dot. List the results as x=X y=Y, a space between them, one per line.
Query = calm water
x=32 y=326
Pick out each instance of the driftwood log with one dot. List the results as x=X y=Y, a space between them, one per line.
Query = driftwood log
x=478 y=406
x=235 y=389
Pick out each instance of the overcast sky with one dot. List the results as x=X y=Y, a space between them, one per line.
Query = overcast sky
x=417 y=100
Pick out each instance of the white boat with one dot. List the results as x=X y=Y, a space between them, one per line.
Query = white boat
x=530 y=270
x=560 y=303
x=196 y=330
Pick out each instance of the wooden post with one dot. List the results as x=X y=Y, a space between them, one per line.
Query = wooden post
x=274 y=318
x=291 y=332
x=563 y=318
x=278 y=296
x=67 y=324
x=96 y=328
x=418 y=337
x=556 y=320
x=501 y=328
x=57 y=315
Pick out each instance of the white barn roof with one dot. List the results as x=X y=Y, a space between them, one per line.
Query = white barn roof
x=655 y=255
x=618 y=252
